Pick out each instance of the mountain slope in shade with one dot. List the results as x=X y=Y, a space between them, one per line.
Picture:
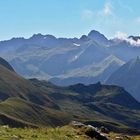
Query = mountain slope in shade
x=128 y=76
x=6 y=64
x=13 y=85
x=17 y=112
x=101 y=102
x=24 y=104
x=91 y=73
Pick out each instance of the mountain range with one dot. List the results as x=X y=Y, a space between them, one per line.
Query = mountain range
x=39 y=103
x=46 y=57
x=65 y=61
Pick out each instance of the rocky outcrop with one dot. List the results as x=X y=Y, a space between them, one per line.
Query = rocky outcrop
x=90 y=130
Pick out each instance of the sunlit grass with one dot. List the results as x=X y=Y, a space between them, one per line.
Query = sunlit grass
x=63 y=133
x=58 y=133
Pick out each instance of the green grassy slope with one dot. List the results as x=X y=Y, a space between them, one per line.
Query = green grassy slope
x=31 y=114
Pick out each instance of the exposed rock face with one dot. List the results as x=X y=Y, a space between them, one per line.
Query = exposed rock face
x=90 y=130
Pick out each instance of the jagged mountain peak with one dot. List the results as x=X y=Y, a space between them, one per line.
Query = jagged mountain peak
x=84 y=38
x=94 y=32
x=40 y=36
x=98 y=37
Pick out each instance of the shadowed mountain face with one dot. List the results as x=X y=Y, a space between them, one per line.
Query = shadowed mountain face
x=102 y=103
x=106 y=94
x=128 y=76
x=13 y=85
x=6 y=64
x=24 y=104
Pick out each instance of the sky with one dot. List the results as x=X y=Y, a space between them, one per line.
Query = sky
x=68 y=18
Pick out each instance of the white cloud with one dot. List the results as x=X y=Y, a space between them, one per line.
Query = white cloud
x=120 y=35
x=88 y=14
x=123 y=36
x=107 y=10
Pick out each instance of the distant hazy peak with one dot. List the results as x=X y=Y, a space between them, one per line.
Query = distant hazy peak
x=84 y=38
x=95 y=33
x=97 y=36
x=40 y=36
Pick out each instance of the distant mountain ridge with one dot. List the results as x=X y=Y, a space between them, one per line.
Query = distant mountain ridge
x=91 y=73
x=66 y=61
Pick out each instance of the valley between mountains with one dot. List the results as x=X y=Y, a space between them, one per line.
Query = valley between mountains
x=49 y=82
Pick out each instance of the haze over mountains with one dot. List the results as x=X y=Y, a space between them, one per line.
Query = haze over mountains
x=66 y=61
x=45 y=56
x=128 y=76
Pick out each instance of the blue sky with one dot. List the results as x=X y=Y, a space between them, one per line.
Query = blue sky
x=68 y=18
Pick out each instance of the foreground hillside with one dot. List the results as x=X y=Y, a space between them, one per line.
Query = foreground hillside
x=35 y=103
x=59 y=133
x=24 y=104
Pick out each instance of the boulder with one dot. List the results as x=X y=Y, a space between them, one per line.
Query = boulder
x=90 y=130
x=93 y=133
x=104 y=130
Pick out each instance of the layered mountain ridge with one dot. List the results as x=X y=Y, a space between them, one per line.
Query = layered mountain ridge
x=72 y=53
x=38 y=103
x=65 y=61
